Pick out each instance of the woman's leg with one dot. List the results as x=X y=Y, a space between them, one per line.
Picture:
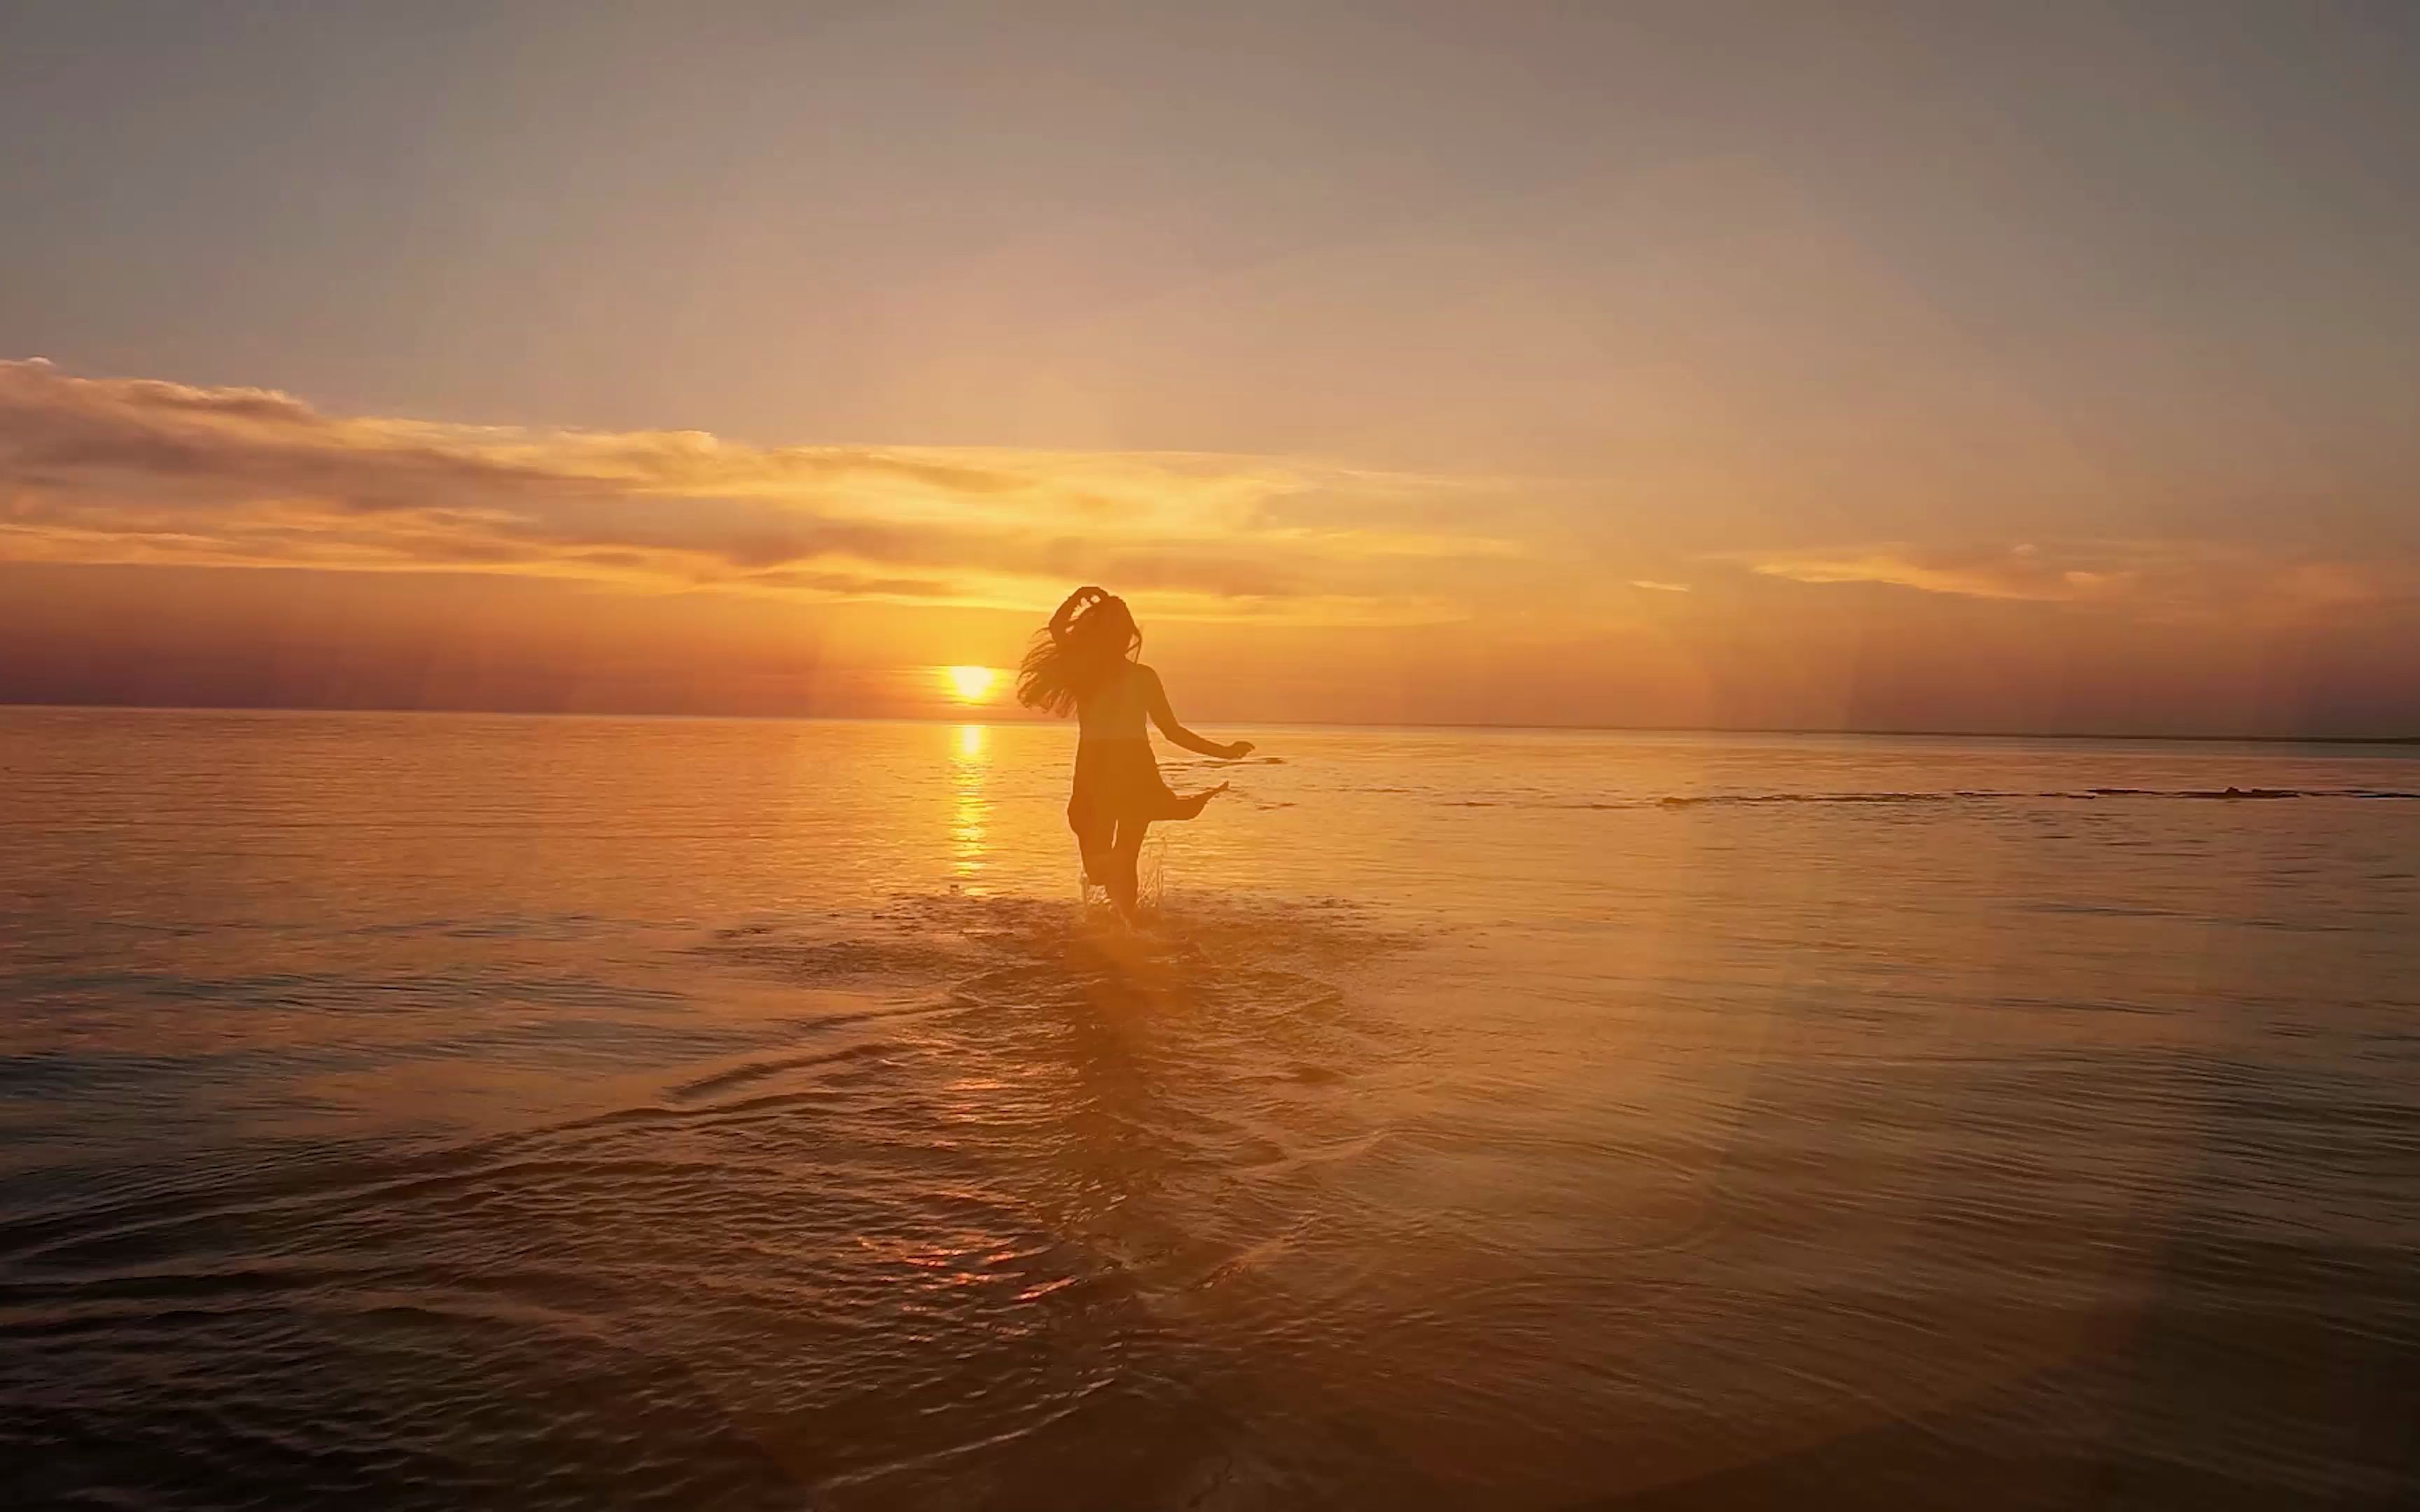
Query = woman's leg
x=1123 y=883
x=1189 y=805
x=1096 y=841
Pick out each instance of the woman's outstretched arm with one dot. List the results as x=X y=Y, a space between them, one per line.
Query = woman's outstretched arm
x=1077 y=600
x=1164 y=716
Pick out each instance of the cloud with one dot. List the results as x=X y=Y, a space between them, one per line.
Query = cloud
x=137 y=471
x=2151 y=577
x=132 y=470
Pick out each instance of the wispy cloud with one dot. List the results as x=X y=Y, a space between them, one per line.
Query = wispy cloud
x=126 y=471
x=134 y=471
x=2149 y=575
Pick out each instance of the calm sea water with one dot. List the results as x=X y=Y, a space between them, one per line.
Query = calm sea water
x=469 y=1112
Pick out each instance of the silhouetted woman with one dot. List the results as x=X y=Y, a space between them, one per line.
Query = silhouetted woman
x=1084 y=663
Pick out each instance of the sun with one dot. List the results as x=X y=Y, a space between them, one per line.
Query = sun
x=969 y=685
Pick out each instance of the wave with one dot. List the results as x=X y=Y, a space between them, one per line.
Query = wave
x=2050 y=794
x=1028 y=952
x=995 y=1141
x=1697 y=801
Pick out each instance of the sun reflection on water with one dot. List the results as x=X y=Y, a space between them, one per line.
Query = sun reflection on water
x=970 y=808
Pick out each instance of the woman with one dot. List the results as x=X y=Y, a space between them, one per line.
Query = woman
x=1084 y=662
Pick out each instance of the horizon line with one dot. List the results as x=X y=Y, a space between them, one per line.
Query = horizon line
x=1276 y=724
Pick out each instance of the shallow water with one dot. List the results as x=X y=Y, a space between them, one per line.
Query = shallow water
x=465 y=1112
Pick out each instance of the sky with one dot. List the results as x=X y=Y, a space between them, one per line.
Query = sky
x=1942 y=366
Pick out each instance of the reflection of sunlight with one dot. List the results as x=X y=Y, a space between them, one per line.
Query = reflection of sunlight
x=971 y=772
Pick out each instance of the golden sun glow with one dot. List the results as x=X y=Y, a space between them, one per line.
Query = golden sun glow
x=969 y=685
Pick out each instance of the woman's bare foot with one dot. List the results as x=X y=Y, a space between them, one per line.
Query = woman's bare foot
x=1193 y=804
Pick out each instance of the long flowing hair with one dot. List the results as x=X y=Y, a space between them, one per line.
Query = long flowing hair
x=1062 y=670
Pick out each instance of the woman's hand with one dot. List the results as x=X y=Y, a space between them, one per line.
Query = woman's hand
x=1076 y=602
x=1239 y=750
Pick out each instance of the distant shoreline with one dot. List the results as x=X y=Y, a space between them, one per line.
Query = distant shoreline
x=995 y=716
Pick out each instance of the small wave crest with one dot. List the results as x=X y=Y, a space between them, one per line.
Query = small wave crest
x=1033 y=953
x=2048 y=795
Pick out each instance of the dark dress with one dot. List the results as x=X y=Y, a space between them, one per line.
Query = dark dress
x=1118 y=779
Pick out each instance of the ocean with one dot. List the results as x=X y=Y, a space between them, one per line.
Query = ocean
x=463 y=1112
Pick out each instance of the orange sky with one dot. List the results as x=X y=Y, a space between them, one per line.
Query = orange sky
x=168 y=544
x=1701 y=365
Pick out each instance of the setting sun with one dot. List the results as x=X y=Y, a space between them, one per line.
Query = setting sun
x=969 y=685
